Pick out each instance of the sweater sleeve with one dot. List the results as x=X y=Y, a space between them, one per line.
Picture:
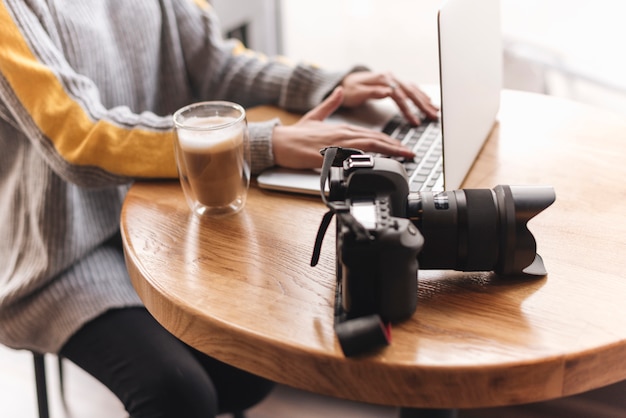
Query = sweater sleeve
x=261 y=146
x=60 y=112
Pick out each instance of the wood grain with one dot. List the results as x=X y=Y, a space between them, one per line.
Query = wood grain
x=241 y=288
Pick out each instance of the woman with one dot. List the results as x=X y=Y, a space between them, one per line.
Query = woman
x=87 y=89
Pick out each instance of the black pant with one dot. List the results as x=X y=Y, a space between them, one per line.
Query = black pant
x=156 y=375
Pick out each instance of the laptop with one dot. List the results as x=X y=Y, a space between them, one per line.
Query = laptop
x=470 y=74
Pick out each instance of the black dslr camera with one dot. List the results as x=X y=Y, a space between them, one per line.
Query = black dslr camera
x=384 y=234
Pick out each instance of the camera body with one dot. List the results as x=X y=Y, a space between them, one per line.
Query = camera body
x=377 y=268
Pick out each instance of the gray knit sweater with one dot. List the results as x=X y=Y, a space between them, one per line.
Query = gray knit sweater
x=86 y=93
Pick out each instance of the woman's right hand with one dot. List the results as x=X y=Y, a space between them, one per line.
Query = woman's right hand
x=298 y=145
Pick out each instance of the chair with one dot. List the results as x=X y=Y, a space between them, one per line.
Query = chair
x=40 y=382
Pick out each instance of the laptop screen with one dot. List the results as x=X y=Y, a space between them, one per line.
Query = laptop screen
x=470 y=69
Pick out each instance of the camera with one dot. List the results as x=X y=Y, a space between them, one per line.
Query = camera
x=384 y=234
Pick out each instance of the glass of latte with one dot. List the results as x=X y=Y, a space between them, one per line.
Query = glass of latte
x=213 y=157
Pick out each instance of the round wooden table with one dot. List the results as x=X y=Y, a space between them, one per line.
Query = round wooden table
x=241 y=288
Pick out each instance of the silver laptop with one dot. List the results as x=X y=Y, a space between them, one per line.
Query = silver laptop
x=470 y=73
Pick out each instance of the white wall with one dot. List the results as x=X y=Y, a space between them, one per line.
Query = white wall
x=394 y=35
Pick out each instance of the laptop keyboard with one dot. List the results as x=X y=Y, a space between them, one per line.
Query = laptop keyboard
x=425 y=171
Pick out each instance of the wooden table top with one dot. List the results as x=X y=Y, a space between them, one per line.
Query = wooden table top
x=241 y=288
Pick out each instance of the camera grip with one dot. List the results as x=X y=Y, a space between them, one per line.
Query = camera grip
x=379 y=276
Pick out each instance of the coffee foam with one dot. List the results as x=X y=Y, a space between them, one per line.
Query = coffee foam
x=209 y=140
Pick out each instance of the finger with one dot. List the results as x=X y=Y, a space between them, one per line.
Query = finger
x=363 y=93
x=376 y=79
x=327 y=107
x=375 y=91
x=421 y=100
x=371 y=141
x=424 y=103
x=381 y=82
x=385 y=148
x=400 y=97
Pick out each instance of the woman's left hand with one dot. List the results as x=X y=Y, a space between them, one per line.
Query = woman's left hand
x=298 y=145
x=360 y=86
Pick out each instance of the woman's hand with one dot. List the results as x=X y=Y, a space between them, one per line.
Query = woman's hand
x=363 y=85
x=298 y=145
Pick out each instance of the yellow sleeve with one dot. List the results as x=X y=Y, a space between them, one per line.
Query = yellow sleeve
x=49 y=115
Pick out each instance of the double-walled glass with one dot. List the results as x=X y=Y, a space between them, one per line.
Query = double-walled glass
x=213 y=157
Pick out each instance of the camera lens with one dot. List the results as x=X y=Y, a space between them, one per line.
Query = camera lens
x=478 y=229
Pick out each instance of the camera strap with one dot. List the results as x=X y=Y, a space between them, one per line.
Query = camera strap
x=361 y=334
x=334 y=157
